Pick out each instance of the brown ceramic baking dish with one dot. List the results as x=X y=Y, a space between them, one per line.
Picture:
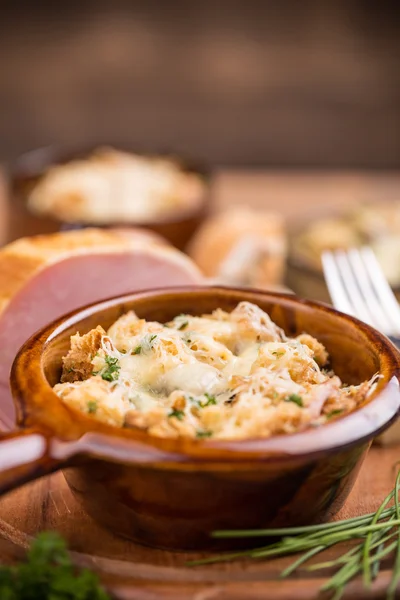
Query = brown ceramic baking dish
x=177 y=228
x=173 y=492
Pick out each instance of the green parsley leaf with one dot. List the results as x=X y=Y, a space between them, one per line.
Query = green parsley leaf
x=296 y=399
x=48 y=573
x=111 y=373
x=278 y=353
x=334 y=413
x=200 y=434
x=146 y=345
x=181 y=322
x=92 y=406
x=178 y=414
x=210 y=401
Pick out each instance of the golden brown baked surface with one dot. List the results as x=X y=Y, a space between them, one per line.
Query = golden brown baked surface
x=242 y=247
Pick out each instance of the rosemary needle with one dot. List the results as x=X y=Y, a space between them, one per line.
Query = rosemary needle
x=396 y=571
x=366 y=566
x=312 y=529
x=289 y=570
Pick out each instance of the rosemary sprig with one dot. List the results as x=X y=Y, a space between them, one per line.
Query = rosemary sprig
x=396 y=570
x=378 y=534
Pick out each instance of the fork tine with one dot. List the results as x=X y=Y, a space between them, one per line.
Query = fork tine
x=369 y=293
x=334 y=283
x=350 y=281
x=382 y=289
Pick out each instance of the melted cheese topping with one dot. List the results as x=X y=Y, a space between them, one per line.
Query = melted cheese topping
x=115 y=187
x=225 y=375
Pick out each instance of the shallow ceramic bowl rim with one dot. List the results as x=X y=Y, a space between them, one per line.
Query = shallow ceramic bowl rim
x=104 y=440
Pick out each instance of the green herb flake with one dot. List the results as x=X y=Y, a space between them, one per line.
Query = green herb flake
x=278 y=353
x=178 y=414
x=334 y=413
x=111 y=373
x=296 y=399
x=181 y=322
x=146 y=345
x=92 y=406
x=209 y=402
x=201 y=434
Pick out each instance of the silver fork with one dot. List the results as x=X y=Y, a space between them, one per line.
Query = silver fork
x=358 y=287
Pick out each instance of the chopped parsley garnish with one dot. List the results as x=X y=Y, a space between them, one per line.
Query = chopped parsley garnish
x=209 y=402
x=200 y=434
x=111 y=373
x=334 y=413
x=296 y=399
x=278 y=353
x=181 y=322
x=146 y=345
x=178 y=414
x=92 y=406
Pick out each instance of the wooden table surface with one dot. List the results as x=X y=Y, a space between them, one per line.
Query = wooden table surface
x=134 y=572
x=150 y=574
x=295 y=192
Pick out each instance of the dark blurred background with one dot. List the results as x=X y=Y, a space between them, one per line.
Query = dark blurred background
x=288 y=83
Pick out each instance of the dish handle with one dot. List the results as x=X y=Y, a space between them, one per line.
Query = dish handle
x=24 y=456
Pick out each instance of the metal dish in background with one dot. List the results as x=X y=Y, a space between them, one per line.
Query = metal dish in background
x=304 y=273
x=30 y=167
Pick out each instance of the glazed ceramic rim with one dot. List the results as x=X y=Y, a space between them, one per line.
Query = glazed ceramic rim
x=107 y=441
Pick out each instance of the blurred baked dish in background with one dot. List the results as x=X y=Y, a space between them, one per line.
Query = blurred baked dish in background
x=108 y=187
x=376 y=225
x=241 y=246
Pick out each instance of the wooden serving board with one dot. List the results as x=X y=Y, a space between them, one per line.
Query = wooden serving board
x=135 y=572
